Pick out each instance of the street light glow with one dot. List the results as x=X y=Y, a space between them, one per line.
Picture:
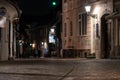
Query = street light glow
x=33 y=45
x=53 y=3
x=52 y=30
x=87 y=8
x=96 y=10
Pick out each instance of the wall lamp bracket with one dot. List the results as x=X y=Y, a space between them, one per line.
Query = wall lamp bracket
x=93 y=15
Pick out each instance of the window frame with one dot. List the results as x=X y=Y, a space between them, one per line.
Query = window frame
x=82 y=24
x=71 y=28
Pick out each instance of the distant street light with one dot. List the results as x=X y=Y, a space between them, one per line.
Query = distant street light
x=52 y=30
x=54 y=3
x=33 y=45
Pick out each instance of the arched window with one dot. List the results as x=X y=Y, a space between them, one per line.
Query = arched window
x=2 y=11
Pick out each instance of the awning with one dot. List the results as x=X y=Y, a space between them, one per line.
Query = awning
x=113 y=15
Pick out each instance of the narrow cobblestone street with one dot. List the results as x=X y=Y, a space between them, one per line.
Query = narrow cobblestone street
x=60 y=69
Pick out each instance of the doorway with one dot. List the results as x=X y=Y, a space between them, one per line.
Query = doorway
x=105 y=37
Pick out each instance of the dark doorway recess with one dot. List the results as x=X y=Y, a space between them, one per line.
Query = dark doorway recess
x=105 y=37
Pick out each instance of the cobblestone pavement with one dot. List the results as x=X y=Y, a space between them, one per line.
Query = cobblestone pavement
x=60 y=69
x=95 y=70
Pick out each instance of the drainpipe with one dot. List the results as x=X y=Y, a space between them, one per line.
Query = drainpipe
x=11 y=41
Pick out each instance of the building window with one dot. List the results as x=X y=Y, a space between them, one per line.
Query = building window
x=83 y=24
x=65 y=30
x=71 y=28
x=80 y=32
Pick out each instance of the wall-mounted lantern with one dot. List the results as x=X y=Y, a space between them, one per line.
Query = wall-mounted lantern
x=88 y=9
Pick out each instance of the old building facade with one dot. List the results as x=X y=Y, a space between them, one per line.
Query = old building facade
x=9 y=14
x=114 y=20
x=86 y=34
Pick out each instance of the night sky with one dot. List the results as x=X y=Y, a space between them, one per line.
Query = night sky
x=38 y=10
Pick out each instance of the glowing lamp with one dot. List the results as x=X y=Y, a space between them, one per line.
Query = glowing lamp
x=88 y=8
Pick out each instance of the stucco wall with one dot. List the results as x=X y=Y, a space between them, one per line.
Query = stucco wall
x=11 y=15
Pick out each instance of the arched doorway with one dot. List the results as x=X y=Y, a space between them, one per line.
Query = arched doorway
x=105 y=37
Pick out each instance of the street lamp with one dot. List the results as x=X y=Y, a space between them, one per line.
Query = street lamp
x=88 y=9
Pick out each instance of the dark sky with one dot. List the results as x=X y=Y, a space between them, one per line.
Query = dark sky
x=37 y=11
x=38 y=7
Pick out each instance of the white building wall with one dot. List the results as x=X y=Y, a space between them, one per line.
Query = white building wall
x=4 y=44
x=11 y=15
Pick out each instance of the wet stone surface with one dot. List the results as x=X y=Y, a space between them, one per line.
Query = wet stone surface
x=61 y=69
